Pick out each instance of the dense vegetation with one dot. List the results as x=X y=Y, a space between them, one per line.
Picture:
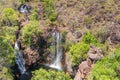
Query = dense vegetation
x=105 y=69
x=6 y=57
x=43 y=74
x=29 y=32
x=96 y=20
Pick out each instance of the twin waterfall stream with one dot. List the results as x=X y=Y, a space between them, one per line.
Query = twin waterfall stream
x=57 y=51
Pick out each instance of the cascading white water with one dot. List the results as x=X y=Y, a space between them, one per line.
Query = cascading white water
x=23 y=8
x=57 y=50
x=19 y=59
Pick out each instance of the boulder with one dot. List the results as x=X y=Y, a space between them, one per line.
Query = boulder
x=94 y=53
x=115 y=37
x=83 y=71
x=85 y=67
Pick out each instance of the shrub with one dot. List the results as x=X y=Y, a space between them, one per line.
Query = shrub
x=78 y=53
x=6 y=51
x=34 y=16
x=30 y=30
x=5 y=74
x=8 y=33
x=6 y=60
x=89 y=38
x=106 y=68
x=49 y=11
x=43 y=74
x=10 y=17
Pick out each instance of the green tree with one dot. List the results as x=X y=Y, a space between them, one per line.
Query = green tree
x=107 y=68
x=89 y=38
x=78 y=53
x=43 y=74
x=32 y=29
x=6 y=60
x=34 y=16
x=8 y=33
x=49 y=10
x=9 y=16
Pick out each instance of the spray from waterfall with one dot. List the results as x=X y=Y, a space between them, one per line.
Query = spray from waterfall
x=19 y=59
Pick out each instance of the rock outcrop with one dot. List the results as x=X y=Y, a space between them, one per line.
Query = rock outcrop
x=31 y=56
x=115 y=37
x=67 y=64
x=93 y=55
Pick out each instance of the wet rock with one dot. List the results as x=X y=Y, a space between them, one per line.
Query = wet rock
x=26 y=76
x=23 y=8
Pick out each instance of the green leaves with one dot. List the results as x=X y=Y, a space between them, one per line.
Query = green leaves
x=10 y=16
x=78 y=53
x=106 y=68
x=34 y=16
x=6 y=60
x=30 y=30
x=5 y=74
x=89 y=38
x=8 y=33
x=43 y=74
x=49 y=11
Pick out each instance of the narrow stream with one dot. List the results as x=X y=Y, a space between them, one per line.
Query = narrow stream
x=57 y=52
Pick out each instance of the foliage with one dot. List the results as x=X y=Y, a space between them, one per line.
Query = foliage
x=6 y=60
x=5 y=74
x=105 y=48
x=9 y=16
x=8 y=33
x=43 y=74
x=89 y=38
x=30 y=30
x=78 y=53
x=107 y=68
x=6 y=51
x=33 y=16
x=49 y=11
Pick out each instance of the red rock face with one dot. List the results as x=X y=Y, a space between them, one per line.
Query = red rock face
x=83 y=71
x=31 y=56
x=94 y=54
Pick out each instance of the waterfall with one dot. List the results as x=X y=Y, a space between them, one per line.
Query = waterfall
x=23 y=8
x=19 y=59
x=57 y=50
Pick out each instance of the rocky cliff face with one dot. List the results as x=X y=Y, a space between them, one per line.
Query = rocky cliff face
x=85 y=67
x=31 y=56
